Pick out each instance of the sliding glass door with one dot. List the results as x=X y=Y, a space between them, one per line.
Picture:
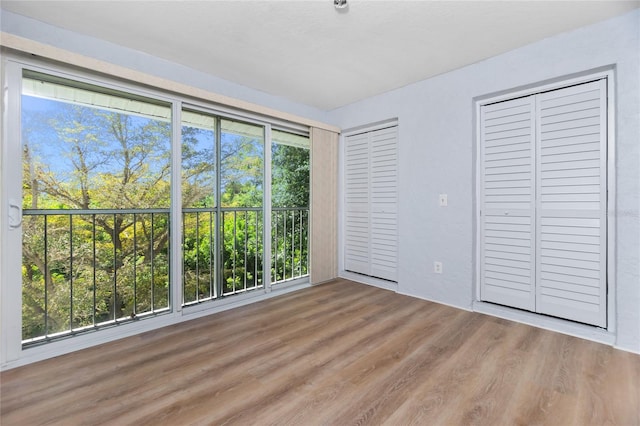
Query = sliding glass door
x=107 y=228
x=96 y=197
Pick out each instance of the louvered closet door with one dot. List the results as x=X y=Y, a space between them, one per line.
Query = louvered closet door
x=507 y=265
x=371 y=196
x=571 y=213
x=384 y=198
x=357 y=228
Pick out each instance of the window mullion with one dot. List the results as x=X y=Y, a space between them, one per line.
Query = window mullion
x=218 y=242
x=175 y=252
x=266 y=246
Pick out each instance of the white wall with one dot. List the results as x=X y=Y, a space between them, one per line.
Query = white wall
x=436 y=145
x=103 y=50
x=436 y=131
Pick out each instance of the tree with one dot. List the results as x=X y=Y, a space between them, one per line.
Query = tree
x=290 y=176
x=241 y=186
x=82 y=158
x=103 y=255
x=290 y=189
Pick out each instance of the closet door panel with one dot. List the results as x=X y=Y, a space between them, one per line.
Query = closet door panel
x=571 y=203
x=384 y=203
x=507 y=204
x=357 y=193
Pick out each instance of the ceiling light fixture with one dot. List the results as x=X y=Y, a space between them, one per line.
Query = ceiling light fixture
x=340 y=4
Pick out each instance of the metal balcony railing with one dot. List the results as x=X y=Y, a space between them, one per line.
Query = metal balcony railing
x=289 y=244
x=87 y=269
x=84 y=269
x=240 y=254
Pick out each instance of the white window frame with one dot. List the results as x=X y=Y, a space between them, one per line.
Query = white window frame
x=565 y=326
x=12 y=353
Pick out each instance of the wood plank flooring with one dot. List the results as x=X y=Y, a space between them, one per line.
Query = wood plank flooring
x=337 y=354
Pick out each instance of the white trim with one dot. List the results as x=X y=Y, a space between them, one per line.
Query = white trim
x=248 y=117
x=439 y=302
x=559 y=325
x=223 y=303
x=10 y=238
x=477 y=202
x=546 y=86
x=366 y=128
x=366 y=279
x=175 y=254
x=626 y=349
x=291 y=282
x=543 y=321
x=266 y=210
x=612 y=197
x=85 y=76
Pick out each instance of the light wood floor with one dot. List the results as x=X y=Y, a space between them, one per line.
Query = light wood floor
x=336 y=354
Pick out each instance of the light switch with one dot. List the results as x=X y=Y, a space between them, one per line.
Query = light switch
x=443 y=200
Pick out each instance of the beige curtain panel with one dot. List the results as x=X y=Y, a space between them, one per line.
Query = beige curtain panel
x=324 y=205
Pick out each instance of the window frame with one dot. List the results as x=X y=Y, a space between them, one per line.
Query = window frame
x=12 y=352
x=84 y=85
x=293 y=279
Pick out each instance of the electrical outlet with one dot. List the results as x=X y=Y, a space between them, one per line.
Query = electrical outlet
x=437 y=267
x=443 y=200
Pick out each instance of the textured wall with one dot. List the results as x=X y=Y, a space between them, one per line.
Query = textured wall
x=437 y=155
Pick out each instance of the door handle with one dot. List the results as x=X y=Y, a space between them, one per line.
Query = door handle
x=15 y=214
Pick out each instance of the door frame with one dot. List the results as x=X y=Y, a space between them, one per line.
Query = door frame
x=351 y=131
x=607 y=73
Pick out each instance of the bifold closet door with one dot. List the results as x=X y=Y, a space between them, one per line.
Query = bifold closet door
x=507 y=252
x=371 y=196
x=572 y=203
x=543 y=224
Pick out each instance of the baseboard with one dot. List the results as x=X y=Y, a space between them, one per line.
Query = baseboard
x=558 y=325
x=365 y=279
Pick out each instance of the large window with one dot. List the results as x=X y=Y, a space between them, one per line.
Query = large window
x=96 y=197
x=103 y=242
x=290 y=206
x=199 y=206
x=223 y=218
x=241 y=201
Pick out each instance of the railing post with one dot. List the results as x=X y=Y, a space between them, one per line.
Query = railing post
x=70 y=273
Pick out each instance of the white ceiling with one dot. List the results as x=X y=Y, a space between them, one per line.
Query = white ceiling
x=309 y=52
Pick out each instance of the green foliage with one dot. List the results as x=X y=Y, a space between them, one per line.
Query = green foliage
x=242 y=170
x=83 y=269
x=290 y=188
x=289 y=244
x=290 y=176
x=198 y=167
x=86 y=269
